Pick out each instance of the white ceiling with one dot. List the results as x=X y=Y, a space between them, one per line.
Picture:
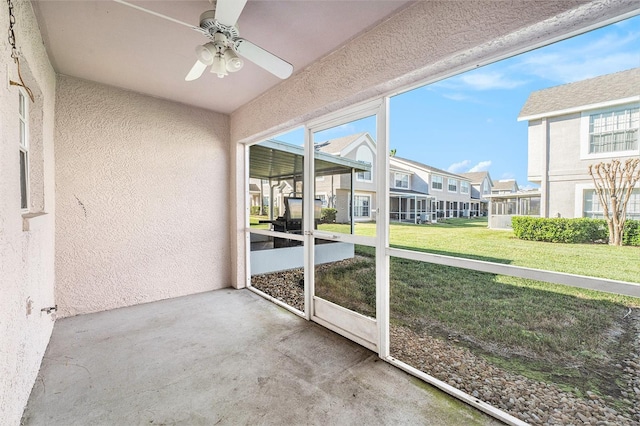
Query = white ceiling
x=111 y=43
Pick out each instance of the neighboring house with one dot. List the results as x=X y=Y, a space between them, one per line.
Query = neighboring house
x=574 y=126
x=505 y=186
x=450 y=193
x=335 y=191
x=417 y=192
x=481 y=185
x=263 y=193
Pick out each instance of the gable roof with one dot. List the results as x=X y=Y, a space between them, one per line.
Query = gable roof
x=476 y=178
x=426 y=167
x=573 y=97
x=336 y=146
x=505 y=185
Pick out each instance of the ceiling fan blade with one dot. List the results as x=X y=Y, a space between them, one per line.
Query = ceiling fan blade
x=228 y=11
x=168 y=18
x=270 y=62
x=196 y=71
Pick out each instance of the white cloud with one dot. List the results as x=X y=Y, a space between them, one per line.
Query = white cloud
x=459 y=167
x=489 y=81
x=482 y=166
x=566 y=63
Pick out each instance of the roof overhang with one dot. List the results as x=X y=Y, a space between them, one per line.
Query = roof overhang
x=276 y=160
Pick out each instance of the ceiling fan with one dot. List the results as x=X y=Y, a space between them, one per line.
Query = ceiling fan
x=225 y=44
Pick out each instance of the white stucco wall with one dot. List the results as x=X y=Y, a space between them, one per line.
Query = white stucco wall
x=142 y=198
x=26 y=256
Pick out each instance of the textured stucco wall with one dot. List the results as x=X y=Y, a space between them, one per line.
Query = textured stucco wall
x=26 y=256
x=142 y=198
x=426 y=41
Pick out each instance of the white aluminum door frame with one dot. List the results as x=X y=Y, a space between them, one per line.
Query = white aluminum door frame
x=373 y=334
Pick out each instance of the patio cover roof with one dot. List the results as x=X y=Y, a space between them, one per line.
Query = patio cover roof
x=278 y=160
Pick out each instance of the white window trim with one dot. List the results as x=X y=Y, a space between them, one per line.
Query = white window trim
x=353 y=208
x=468 y=188
x=442 y=182
x=395 y=179
x=24 y=147
x=579 y=197
x=365 y=180
x=457 y=184
x=584 y=134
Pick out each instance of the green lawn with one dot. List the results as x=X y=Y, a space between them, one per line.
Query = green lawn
x=473 y=240
x=554 y=333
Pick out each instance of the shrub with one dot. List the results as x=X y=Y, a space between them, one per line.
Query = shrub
x=255 y=210
x=560 y=230
x=631 y=235
x=328 y=215
x=571 y=231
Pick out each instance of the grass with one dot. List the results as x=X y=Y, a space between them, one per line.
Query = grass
x=559 y=334
x=471 y=239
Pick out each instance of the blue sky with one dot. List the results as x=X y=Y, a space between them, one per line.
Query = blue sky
x=469 y=122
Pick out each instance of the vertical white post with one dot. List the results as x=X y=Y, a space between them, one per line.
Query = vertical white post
x=382 y=229
x=308 y=182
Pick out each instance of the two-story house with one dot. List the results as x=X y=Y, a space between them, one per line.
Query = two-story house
x=417 y=192
x=449 y=193
x=574 y=126
x=504 y=186
x=481 y=185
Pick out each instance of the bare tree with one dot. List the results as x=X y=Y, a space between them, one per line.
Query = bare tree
x=614 y=182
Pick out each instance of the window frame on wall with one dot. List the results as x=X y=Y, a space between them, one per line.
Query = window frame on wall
x=630 y=125
x=23 y=146
x=404 y=177
x=440 y=181
x=356 y=207
x=455 y=185
x=465 y=187
x=596 y=212
x=364 y=176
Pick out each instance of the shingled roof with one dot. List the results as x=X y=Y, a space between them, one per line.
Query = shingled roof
x=610 y=87
x=476 y=178
x=426 y=167
x=335 y=146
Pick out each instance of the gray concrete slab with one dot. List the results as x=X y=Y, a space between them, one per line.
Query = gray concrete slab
x=224 y=357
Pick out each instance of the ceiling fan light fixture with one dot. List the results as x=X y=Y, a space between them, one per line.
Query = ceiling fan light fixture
x=233 y=62
x=206 y=53
x=219 y=66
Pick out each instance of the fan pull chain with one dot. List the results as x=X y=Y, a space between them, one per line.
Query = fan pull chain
x=14 y=52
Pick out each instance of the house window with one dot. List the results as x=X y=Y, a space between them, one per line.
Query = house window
x=486 y=189
x=614 y=131
x=464 y=187
x=323 y=198
x=402 y=180
x=365 y=155
x=364 y=176
x=593 y=208
x=453 y=185
x=436 y=182
x=361 y=205
x=23 y=118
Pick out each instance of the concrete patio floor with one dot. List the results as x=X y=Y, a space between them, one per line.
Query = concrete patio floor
x=223 y=357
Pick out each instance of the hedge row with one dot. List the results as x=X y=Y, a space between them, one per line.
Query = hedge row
x=571 y=231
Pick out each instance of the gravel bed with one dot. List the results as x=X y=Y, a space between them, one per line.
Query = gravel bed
x=535 y=402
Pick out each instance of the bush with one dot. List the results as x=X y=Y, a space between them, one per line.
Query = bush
x=328 y=215
x=571 y=231
x=560 y=230
x=255 y=210
x=631 y=235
